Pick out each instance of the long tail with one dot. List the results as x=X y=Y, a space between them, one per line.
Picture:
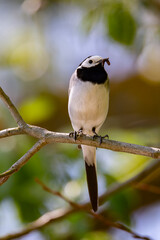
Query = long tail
x=89 y=154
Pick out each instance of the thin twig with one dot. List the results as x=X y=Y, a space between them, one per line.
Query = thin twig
x=12 y=109
x=116 y=187
x=147 y=187
x=58 y=194
x=11 y=132
x=23 y=160
x=120 y=226
x=41 y=222
x=99 y=217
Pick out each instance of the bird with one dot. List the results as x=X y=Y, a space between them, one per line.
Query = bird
x=88 y=105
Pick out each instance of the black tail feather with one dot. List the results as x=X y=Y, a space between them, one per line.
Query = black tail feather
x=92 y=185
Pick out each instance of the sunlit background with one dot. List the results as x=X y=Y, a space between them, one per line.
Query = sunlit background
x=41 y=44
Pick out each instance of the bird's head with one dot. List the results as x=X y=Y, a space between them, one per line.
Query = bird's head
x=92 y=70
x=93 y=61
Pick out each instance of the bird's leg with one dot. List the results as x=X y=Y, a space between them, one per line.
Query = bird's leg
x=95 y=134
x=76 y=134
x=98 y=136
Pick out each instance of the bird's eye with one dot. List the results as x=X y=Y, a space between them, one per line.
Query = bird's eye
x=90 y=61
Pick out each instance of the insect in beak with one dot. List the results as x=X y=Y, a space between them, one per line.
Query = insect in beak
x=103 y=61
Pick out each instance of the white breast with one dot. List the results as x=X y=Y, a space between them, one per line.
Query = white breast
x=88 y=105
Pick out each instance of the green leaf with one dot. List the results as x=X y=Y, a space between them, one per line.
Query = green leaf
x=121 y=24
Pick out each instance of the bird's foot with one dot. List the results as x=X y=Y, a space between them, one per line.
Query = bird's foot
x=99 y=136
x=76 y=134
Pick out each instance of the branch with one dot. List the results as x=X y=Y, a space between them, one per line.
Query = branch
x=11 y=132
x=12 y=109
x=62 y=213
x=149 y=169
x=44 y=220
x=23 y=160
x=148 y=188
x=52 y=137
x=106 y=144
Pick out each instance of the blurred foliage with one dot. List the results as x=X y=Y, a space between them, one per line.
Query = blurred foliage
x=37 y=109
x=121 y=24
x=29 y=58
x=33 y=69
x=121 y=204
x=118 y=20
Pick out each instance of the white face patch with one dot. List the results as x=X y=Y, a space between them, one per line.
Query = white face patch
x=91 y=61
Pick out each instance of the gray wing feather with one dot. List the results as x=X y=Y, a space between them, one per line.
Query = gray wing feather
x=72 y=81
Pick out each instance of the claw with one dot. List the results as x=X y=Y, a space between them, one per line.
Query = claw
x=99 y=136
x=95 y=135
x=106 y=136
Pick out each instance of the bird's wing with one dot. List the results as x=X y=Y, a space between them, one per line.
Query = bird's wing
x=72 y=82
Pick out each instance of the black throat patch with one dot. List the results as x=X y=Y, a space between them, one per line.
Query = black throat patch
x=96 y=74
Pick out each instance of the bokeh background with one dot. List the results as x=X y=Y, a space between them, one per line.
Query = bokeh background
x=41 y=44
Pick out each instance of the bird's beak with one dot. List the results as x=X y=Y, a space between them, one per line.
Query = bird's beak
x=103 y=61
